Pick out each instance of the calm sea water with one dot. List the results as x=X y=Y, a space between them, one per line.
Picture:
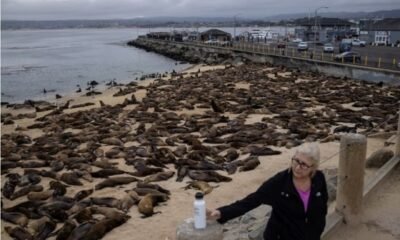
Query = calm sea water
x=59 y=60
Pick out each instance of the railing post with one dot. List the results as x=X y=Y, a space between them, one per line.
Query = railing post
x=353 y=150
x=379 y=62
x=397 y=153
x=186 y=231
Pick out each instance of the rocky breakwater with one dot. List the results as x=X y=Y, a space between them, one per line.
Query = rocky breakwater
x=182 y=52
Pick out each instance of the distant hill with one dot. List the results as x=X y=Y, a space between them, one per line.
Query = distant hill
x=187 y=21
x=345 y=15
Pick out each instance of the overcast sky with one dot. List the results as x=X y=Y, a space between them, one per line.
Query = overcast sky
x=108 y=9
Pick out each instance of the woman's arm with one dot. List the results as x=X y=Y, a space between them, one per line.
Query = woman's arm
x=263 y=195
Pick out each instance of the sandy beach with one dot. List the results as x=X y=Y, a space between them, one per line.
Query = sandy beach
x=180 y=205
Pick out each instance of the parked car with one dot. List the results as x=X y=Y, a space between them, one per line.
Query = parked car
x=348 y=57
x=344 y=47
x=358 y=42
x=297 y=40
x=328 y=48
x=212 y=42
x=302 y=46
x=281 y=45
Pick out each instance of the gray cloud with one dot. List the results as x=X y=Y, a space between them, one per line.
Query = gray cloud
x=106 y=9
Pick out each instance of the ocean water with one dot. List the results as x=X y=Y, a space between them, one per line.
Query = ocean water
x=59 y=60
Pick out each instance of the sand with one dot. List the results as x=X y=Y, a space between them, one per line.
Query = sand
x=180 y=206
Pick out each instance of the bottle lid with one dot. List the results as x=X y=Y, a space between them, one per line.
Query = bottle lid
x=199 y=195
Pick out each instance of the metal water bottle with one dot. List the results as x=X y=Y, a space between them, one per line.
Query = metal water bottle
x=199 y=211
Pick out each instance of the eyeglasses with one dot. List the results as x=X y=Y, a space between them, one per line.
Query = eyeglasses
x=302 y=165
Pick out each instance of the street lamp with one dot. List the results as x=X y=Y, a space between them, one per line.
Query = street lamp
x=234 y=26
x=315 y=25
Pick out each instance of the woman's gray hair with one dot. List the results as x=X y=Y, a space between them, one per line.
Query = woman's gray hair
x=311 y=149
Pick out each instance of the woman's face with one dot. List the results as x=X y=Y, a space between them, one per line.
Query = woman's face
x=302 y=165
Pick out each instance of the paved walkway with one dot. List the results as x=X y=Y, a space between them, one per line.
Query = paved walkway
x=381 y=214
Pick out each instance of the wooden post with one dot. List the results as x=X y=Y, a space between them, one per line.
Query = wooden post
x=186 y=231
x=394 y=62
x=398 y=137
x=379 y=62
x=353 y=150
x=366 y=60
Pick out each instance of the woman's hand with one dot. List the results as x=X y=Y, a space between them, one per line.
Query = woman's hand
x=213 y=214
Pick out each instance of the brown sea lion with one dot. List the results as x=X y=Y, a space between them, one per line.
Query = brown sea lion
x=100 y=228
x=59 y=188
x=107 y=212
x=104 y=173
x=38 y=196
x=84 y=215
x=64 y=232
x=200 y=185
x=143 y=170
x=82 y=194
x=231 y=155
x=148 y=202
x=15 y=217
x=162 y=176
x=18 y=233
x=115 y=181
x=208 y=176
x=231 y=167
x=112 y=141
x=153 y=186
x=25 y=190
x=106 y=201
x=128 y=200
x=249 y=164
x=80 y=231
x=182 y=172
x=71 y=178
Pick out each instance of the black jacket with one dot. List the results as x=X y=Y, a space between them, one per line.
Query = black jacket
x=288 y=220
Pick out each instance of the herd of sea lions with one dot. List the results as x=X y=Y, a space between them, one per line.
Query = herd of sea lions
x=134 y=146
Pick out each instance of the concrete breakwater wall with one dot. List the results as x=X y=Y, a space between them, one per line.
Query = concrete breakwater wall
x=200 y=53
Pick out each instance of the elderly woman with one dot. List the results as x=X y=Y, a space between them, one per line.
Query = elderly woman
x=298 y=197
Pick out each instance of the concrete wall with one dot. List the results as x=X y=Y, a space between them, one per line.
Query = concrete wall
x=329 y=68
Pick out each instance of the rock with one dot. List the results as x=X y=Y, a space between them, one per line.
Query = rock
x=186 y=231
x=379 y=158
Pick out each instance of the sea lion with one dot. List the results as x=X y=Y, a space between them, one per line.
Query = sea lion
x=115 y=181
x=104 y=173
x=112 y=141
x=143 y=170
x=84 y=215
x=28 y=208
x=65 y=230
x=249 y=164
x=79 y=231
x=82 y=194
x=18 y=233
x=148 y=202
x=107 y=212
x=208 y=176
x=128 y=200
x=231 y=155
x=8 y=189
x=25 y=190
x=29 y=179
x=153 y=186
x=162 y=176
x=260 y=151
x=57 y=165
x=106 y=201
x=37 y=196
x=200 y=185
x=59 y=188
x=15 y=217
x=100 y=228
x=182 y=172
x=231 y=167
x=71 y=178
